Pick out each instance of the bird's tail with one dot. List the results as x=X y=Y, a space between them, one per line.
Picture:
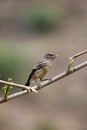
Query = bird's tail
x=29 y=78
x=27 y=83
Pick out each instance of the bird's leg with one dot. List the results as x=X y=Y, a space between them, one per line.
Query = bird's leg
x=44 y=79
x=38 y=84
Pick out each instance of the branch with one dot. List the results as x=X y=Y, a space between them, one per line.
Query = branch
x=44 y=84
x=71 y=60
x=77 y=55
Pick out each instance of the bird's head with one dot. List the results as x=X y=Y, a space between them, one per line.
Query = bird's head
x=50 y=56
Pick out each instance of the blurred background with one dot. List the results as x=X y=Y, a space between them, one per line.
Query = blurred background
x=28 y=30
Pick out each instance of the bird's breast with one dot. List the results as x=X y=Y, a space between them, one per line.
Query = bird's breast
x=41 y=72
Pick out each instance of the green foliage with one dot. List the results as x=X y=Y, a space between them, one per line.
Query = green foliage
x=43 y=19
x=7 y=88
x=14 y=62
x=71 y=62
x=9 y=64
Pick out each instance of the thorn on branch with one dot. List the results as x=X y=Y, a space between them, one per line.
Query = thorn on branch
x=31 y=89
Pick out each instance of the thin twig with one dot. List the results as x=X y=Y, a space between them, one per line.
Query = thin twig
x=6 y=93
x=44 y=84
x=17 y=85
x=71 y=60
x=77 y=55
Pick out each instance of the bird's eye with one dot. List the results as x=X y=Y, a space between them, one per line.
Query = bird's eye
x=50 y=55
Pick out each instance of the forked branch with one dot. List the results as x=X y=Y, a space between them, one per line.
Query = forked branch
x=69 y=71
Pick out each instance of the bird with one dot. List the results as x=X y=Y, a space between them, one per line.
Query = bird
x=41 y=68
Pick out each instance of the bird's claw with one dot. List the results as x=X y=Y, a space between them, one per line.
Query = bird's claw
x=32 y=90
x=38 y=86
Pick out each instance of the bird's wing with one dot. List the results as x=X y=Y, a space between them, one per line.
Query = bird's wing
x=39 y=66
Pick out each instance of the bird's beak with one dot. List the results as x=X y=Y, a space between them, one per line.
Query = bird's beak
x=55 y=56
